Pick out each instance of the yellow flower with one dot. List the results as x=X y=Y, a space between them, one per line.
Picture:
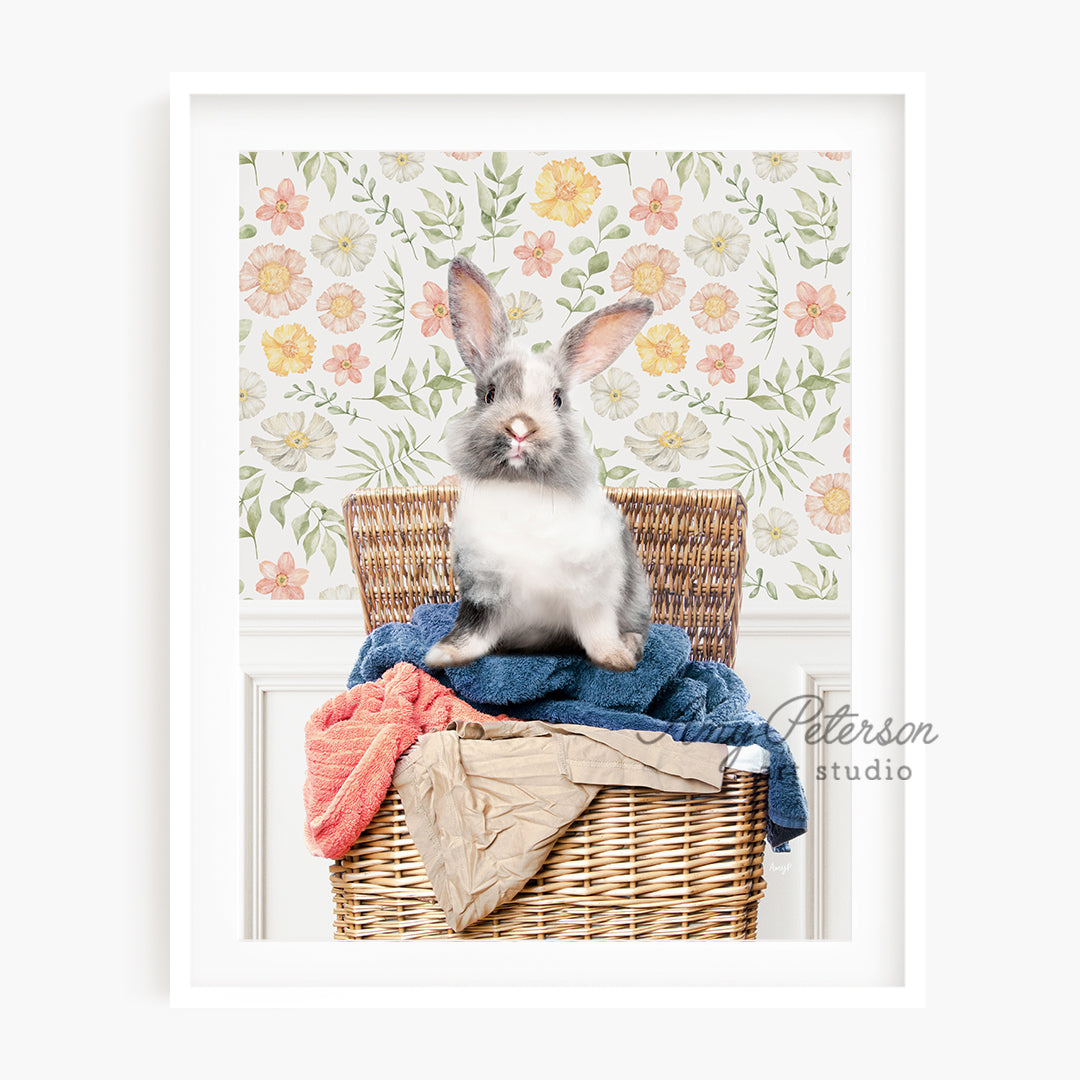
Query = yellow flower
x=662 y=349
x=289 y=350
x=566 y=192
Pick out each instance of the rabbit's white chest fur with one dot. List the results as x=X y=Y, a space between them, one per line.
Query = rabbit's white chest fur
x=539 y=555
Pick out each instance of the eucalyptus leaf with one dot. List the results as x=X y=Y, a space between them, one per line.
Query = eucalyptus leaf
x=329 y=176
x=329 y=549
x=823 y=175
x=449 y=175
x=598 y=263
x=826 y=425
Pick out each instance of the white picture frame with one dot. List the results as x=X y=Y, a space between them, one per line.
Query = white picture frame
x=880 y=118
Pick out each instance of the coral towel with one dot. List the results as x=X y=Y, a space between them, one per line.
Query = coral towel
x=353 y=742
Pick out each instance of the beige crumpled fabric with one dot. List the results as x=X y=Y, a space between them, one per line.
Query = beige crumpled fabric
x=485 y=803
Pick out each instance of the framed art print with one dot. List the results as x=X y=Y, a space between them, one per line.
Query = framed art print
x=783 y=360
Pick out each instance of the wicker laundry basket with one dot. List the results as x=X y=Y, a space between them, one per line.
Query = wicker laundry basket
x=636 y=863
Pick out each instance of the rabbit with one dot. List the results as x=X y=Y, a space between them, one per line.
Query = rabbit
x=544 y=562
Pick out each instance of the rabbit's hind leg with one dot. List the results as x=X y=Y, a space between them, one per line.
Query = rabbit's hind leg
x=474 y=634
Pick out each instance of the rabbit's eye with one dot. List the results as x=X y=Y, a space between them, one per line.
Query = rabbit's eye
x=489 y=397
x=557 y=399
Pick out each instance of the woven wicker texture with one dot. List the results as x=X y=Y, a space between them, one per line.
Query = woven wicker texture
x=691 y=540
x=636 y=863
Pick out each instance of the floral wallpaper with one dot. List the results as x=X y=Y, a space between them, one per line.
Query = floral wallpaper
x=348 y=370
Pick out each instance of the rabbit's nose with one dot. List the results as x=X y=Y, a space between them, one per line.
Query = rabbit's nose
x=519 y=428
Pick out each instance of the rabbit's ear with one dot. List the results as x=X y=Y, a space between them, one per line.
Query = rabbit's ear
x=481 y=328
x=599 y=339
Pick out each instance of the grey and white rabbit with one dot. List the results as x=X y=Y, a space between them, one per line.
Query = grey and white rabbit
x=543 y=560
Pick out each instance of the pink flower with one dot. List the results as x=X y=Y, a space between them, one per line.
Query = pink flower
x=656 y=207
x=847 y=449
x=341 y=306
x=830 y=508
x=720 y=363
x=538 y=252
x=282 y=207
x=282 y=580
x=649 y=270
x=714 y=308
x=815 y=310
x=346 y=364
x=835 y=155
x=462 y=155
x=434 y=310
x=273 y=271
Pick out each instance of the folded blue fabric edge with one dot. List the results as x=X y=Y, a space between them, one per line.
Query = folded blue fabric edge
x=690 y=700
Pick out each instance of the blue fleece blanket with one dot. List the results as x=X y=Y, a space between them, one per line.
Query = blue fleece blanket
x=690 y=700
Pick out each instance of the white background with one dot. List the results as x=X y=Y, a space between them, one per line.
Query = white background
x=86 y=547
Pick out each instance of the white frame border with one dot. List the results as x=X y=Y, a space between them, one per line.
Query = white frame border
x=411 y=988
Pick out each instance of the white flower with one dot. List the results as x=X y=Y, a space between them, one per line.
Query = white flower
x=293 y=442
x=521 y=308
x=774 y=165
x=666 y=440
x=340 y=592
x=615 y=394
x=252 y=394
x=720 y=243
x=348 y=244
x=775 y=534
x=401 y=164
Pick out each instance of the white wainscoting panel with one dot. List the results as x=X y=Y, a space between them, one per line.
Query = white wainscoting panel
x=294 y=657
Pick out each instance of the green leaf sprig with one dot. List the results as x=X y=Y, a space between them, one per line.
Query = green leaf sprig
x=684 y=163
x=442 y=222
x=606 y=160
x=696 y=398
x=323 y=165
x=813 y=589
x=316 y=526
x=752 y=472
x=817 y=224
x=381 y=211
x=401 y=462
x=250 y=508
x=756 y=584
x=392 y=312
x=496 y=216
x=425 y=397
x=766 y=313
x=799 y=398
x=581 y=278
x=755 y=209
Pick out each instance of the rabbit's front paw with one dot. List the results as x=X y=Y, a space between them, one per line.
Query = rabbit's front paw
x=636 y=644
x=615 y=657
